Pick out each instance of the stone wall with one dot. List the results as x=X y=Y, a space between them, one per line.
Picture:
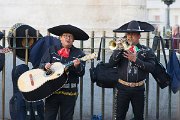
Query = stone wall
x=90 y=15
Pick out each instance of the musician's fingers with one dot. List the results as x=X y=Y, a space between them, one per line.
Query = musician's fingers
x=47 y=66
x=129 y=52
x=76 y=62
x=125 y=56
x=125 y=53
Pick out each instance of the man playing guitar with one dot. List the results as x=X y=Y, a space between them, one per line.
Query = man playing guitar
x=65 y=98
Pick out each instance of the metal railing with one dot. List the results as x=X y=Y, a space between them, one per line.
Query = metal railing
x=92 y=48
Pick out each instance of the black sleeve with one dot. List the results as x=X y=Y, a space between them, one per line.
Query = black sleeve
x=116 y=56
x=148 y=63
x=80 y=70
x=45 y=59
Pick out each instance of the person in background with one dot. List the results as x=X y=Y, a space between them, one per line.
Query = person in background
x=134 y=65
x=176 y=38
x=3 y=50
x=66 y=97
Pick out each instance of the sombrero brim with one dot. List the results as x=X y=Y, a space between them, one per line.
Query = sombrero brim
x=145 y=27
x=20 y=37
x=76 y=32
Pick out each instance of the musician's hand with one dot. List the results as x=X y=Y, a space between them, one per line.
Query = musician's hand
x=5 y=50
x=76 y=62
x=48 y=66
x=130 y=55
x=119 y=44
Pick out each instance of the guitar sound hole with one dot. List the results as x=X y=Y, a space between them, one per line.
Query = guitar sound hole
x=49 y=72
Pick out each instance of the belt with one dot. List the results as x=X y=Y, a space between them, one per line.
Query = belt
x=131 y=84
x=66 y=93
x=70 y=85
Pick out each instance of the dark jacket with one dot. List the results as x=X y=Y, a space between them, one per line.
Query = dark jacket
x=2 y=59
x=37 y=51
x=52 y=56
x=134 y=71
x=18 y=107
x=1 y=35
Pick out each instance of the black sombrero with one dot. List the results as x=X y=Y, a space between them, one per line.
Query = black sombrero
x=21 y=38
x=135 y=26
x=75 y=31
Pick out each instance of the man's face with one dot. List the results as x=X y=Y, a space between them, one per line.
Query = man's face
x=175 y=30
x=67 y=40
x=133 y=38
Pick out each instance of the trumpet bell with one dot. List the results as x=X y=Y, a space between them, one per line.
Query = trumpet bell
x=121 y=44
x=112 y=45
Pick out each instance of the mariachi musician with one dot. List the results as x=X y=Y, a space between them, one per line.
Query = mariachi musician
x=66 y=97
x=2 y=52
x=134 y=65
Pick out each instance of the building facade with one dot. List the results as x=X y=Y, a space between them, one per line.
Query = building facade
x=157 y=12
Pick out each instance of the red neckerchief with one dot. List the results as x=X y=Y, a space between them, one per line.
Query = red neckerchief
x=64 y=52
x=131 y=49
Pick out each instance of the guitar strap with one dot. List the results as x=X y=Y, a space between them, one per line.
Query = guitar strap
x=157 y=40
x=99 y=52
x=163 y=50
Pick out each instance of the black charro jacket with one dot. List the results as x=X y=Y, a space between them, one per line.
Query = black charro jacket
x=133 y=71
x=51 y=56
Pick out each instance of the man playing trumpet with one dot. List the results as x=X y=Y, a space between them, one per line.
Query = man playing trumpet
x=134 y=64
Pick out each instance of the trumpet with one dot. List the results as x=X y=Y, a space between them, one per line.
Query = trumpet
x=120 y=44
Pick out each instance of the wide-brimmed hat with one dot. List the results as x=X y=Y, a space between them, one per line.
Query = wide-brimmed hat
x=75 y=31
x=135 y=26
x=20 y=37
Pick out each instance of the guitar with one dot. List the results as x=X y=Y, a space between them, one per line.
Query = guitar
x=37 y=84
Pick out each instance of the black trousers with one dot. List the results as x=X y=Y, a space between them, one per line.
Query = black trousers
x=123 y=100
x=64 y=102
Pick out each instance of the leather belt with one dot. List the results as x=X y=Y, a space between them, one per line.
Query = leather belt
x=70 y=85
x=66 y=93
x=131 y=84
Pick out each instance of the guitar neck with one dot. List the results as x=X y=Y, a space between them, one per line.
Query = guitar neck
x=85 y=58
x=67 y=65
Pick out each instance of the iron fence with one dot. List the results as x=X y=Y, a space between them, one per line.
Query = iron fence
x=93 y=43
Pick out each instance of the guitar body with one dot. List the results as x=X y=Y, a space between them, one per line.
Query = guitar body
x=46 y=90
x=36 y=85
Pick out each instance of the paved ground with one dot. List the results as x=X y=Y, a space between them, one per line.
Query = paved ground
x=163 y=108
